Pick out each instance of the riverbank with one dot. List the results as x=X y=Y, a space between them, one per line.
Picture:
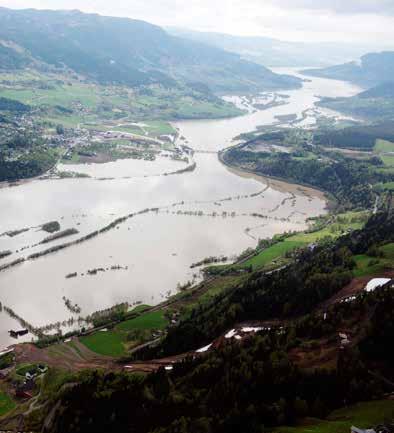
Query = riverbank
x=276 y=257
x=198 y=290
x=278 y=182
x=211 y=211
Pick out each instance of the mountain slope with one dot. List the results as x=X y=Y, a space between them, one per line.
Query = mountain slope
x=121 y=50
x=278 y=375
x=376 y=103
x=372 y=69
x=384 y=90
x=274 y=52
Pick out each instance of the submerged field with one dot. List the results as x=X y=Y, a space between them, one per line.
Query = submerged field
x=276 y=254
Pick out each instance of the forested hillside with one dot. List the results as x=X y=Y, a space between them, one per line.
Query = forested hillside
x=372 y=69
x=124 y=51
x=261 y=382
x=347 y=180
x=315 y=276
x=359 y=137
x=157 y=324
x=275 y=52
x=376 y=103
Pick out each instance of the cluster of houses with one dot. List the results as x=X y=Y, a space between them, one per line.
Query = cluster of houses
x=25 y=389
x=24 y=382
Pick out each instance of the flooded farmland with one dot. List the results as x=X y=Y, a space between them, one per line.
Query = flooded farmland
x=158 y=224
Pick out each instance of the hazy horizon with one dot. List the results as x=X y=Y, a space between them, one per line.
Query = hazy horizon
x=371 y=21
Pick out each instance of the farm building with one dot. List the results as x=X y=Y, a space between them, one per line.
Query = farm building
x=375 y=283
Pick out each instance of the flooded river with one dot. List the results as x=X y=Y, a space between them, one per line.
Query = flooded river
x=204 y=212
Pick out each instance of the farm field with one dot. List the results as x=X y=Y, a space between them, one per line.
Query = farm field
x=152 y=320
x=68 y=101
x=367 y=265
x=341 y=224
x=128 y=333
x=104 y=343
x=385 y=150
x=6 y=403
x=272 y=253
x=383 y=146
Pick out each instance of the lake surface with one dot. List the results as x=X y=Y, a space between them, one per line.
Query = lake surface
x=204 y=212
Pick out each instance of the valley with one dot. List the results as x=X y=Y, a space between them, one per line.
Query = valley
x=191 y=242
x=210 y=199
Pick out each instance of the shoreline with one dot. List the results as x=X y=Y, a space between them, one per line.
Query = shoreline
x=282 y=184
x=276 y=184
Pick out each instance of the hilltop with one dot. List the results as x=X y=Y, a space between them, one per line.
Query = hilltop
x=371 y=70
x=120 y=50
x=274 y=52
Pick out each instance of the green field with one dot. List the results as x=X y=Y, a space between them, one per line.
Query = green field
x=131 y=129
x=6 y=403
x=153 y=320
x=140 y=308
x=105 y=343
x=152 y=128
x=388 y=160
x=60 y=95
x=156 y=127
x=388 y=251
x=366 y=265
x=24 y=368
x=110 y=107
x=126 y=334
x=387 y=186
x=206 y=110
x=383 y=146
x=341 y=224
x=362 y=415
x=268 y=256
x=272 y=253
x=68 y=121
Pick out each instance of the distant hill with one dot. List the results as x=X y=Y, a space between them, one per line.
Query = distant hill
x=372 y=69
x=385 y=90
x=376 y=103
x=125 y=51
x=358 y=137
x=273 y=52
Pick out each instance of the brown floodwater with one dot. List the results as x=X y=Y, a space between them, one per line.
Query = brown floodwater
x=205 y=212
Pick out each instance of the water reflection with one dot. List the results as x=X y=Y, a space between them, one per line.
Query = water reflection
x=202 y=213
